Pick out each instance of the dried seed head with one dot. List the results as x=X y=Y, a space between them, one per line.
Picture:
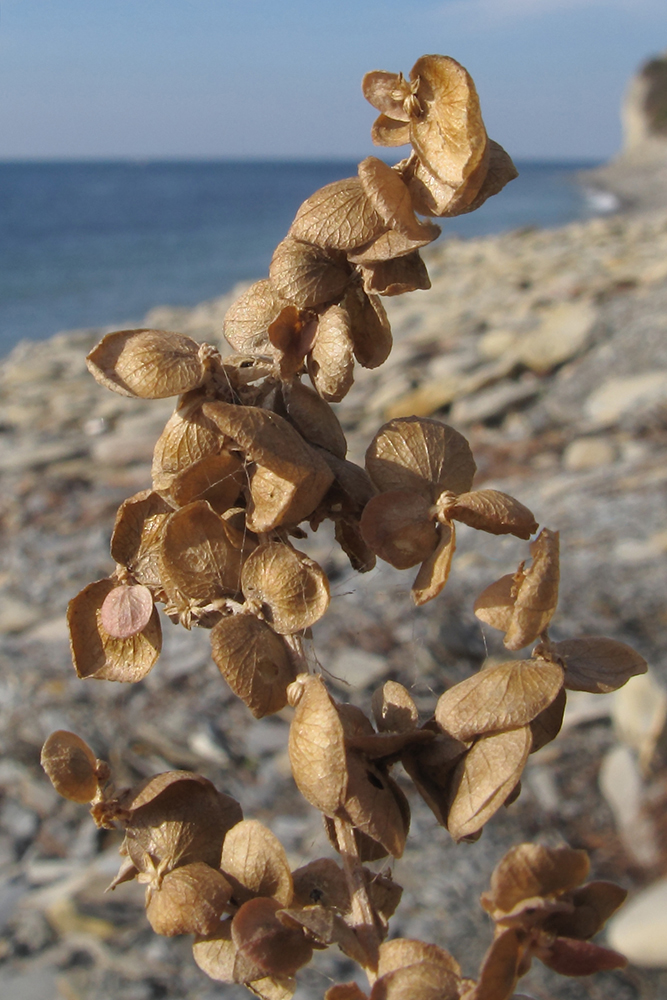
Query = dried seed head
x=596 y=664
x=97 y=654
x=314 y=419
x=531 y=870
x=390 y=198
x=331 y=360
x=484 y=778
x=136 y=536
x=126 y=610
x=369 y=327
x=388 y=93
x=254 y=661
x=316 y=745
x=523 y=605
x=264 y=946
x=188 y=436
x=289 y=479
x=503 y=697
x=393 y=708
x=291 y=589
x=177 y=818
x=150 y=364
x=495 y=512
x=215 y=953
x=190 y=900
x=306 y=275
x=337 y=217
x=71 y=766
x=249 y=317
x=399 y=528
x=421 y=455
x=255 y=861
x=198 y=562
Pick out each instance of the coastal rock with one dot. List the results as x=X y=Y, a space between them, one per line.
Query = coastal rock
x=626 y=396
x=588 y=453
x=639 y=930
x=562 y=334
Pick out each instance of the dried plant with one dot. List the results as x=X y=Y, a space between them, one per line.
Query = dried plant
x=250 y=455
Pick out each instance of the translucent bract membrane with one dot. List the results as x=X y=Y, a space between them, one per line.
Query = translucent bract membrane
x=150 y=364
x=307 y=275
x=136 y=535
x=187 y=437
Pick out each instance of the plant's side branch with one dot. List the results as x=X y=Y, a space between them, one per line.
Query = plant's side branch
x=363 y=915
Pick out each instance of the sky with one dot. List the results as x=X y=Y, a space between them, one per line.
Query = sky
x=281 y=78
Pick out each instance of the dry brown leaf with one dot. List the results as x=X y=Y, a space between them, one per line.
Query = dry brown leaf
x=422 y=455
x=216 y=478
x=316 y=745
x=272 y=987
x=249 y=317
x=394 y=709
x=387 y=92
x=484 y=778
x=331 y=360
x=265 y=946
x=433 y=195
x=136 y=536
x=396 y=276
x=97 y=654
x=215 y=953
x=434 y=571
x=292 y=334
x=290 y=477
x=254 y=858
x=498 y=513
x=375 y=804
x=503 y=697
x=190 y=900
x=71 y=766
x=401 y=952
x=546 y=726
x=254 y=661
x=292 y=590
x=198 y=562
x=596 y=664
x=369 y=327
x=188 y=436
x=391 y=200
x=367 y=848
x=352 y=486
x=150 y=364
x=306 y=275
x=314 y=419
x=337 y=217
x=399 y=528
x=386 y=747
x=126 y=610
x=449 y=135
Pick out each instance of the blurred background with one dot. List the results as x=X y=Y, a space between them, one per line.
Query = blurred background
x=151 y=157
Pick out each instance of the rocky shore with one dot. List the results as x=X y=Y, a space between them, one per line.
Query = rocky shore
x=548 y=349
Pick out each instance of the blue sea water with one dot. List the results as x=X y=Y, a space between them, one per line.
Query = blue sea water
x=95 y=243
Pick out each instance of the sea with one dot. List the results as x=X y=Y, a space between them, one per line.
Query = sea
x=97 y=243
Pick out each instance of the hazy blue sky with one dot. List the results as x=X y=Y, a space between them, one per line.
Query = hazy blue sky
x=245 y=78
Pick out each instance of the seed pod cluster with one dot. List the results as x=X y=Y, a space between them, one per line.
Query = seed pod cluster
x=252 y=454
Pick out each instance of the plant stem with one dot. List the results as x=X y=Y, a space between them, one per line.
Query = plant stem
x=363 y=915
